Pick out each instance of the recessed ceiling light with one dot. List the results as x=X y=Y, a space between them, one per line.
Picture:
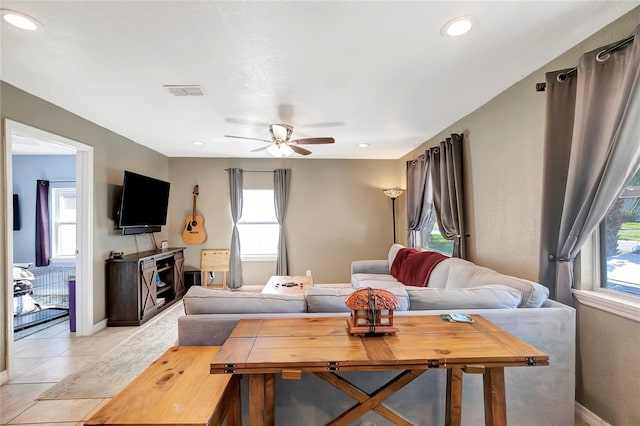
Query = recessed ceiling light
x=197 y=143
x=363 y=145
x=20 y=20
x=458 y=26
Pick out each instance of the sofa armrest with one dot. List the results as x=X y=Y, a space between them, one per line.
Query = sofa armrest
x=369 y=267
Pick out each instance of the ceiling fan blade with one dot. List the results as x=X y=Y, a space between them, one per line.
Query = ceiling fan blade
x=245 y=121
x=313 y=141
x=261 y=148
x=251 y=139
x=300 y=150
x=325 y=124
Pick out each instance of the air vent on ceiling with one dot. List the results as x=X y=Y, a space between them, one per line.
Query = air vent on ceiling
x=190 y=90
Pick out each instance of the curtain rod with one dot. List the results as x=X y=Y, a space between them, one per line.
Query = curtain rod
x=600 y=57
x=59 y=181
x=253 y=171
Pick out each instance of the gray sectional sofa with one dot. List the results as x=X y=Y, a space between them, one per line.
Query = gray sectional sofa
x=535 y=395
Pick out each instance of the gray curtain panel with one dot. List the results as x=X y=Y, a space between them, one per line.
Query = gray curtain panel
x=560 y=108
x=281 y=181
x=448 y=195
x=604 y=146
x=420 y=212
x=235 y=197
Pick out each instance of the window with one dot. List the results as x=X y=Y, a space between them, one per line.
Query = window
x=430 y=237
x=63 y=223
x=258 y=226
x=620 y=241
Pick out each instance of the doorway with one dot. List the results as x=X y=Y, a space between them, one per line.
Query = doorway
x=14 y=133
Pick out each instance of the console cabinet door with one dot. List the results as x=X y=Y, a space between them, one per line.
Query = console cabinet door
x=178 y=274
x=148 y=272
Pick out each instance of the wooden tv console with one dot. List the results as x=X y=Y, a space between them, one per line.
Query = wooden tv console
x=134 y=294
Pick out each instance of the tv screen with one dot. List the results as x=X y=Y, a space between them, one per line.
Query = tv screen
x=144 y=203
x=16 y=213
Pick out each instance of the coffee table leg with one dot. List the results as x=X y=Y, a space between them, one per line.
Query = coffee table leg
x=234 y=412
x=453 y=408
x=495 y=408
x=269 y=399
x=256 y=399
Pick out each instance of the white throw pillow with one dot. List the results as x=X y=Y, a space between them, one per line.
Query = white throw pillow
x=482 y=297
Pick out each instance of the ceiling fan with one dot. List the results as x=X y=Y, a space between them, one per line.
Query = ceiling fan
x=281 y=144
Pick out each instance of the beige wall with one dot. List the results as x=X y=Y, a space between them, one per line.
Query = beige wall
x=337 y=211
x=112 y=154
x=503 y=154
x=608 y=367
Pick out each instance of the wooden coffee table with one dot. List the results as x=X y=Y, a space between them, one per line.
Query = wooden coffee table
x=323 y=346
x=276 y=284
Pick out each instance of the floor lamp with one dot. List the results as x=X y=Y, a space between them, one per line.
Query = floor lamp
x=393 y=194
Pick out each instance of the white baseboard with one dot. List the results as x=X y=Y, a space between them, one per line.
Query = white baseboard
x=99 y=326
x=4 y=377
x=584 y=415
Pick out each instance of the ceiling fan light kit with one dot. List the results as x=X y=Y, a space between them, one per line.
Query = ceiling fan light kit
x=281 y=144
x=280 y=150
x=280 y=132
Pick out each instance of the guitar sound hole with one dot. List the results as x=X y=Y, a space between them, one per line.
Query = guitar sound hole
x=194 y=223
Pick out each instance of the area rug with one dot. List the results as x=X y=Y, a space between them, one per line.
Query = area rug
x=110 y=373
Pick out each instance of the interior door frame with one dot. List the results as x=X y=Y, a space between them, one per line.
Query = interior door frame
x=84 y=236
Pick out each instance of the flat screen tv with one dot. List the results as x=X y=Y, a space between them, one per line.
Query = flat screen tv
x=144 y=204
x=16 y=213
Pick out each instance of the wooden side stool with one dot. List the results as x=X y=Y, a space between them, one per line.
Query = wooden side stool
x=214 y=260
x=176 y=389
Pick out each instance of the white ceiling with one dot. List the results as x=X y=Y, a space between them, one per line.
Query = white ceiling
x=363 y=72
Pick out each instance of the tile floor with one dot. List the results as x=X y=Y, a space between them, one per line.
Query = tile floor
x=43 y=359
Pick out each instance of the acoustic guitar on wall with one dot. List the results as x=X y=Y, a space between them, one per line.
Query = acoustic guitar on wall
x=194 y=232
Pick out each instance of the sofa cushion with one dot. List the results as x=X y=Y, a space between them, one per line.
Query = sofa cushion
x=327 y=299
x=378 y=266
x=439 y=274
x=200 y=300
x=357 y=278
x=482 y=297
x=464 y=274
x=331 y=299
x=377 y=283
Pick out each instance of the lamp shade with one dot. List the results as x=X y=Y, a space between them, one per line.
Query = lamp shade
x=393 y=193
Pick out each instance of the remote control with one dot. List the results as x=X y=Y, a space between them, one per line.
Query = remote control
x=461 y=318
